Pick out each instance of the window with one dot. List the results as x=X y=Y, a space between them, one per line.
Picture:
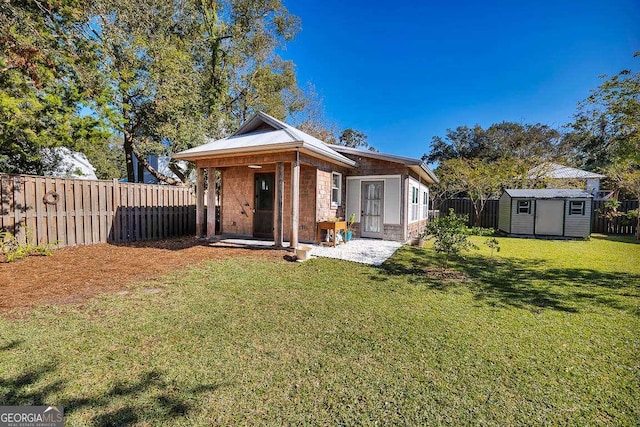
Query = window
x=336 y=189
x=414 y=203
x=425 y=204
x=576 y=207
x=524 y=206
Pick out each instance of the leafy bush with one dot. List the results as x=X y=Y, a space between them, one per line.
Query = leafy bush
x=14 y=250
x=480 y=231
x=450 y=235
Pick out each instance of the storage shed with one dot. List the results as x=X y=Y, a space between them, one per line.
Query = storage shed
x=545 y=212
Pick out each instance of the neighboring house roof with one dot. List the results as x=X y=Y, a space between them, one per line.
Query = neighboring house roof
x=254 y=137
x=417 y=165
x=556 y=171
x=548 y=193
x=73 y=164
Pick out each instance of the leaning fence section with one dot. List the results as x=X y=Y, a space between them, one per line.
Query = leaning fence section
x=69 y=212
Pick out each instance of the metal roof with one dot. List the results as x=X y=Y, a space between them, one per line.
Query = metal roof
x=548 y=193
x=407 y=161
x=556 y=171
x=251 y=137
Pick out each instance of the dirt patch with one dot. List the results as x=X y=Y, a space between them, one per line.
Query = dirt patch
x=72 y=275
x=444 y=274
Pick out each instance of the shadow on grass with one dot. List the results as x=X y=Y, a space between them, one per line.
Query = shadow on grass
x=525 y=284
x=113 y=407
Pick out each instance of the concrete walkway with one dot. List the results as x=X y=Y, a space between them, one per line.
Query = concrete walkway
x=365 y=251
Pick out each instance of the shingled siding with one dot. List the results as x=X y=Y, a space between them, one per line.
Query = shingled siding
x=237 y=200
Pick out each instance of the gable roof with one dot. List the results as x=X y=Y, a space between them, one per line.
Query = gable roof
x=556 y=171
x=548 y=193
x=262 y=133
x=416 y=165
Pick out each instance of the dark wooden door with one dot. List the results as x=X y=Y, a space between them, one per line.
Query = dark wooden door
x=263 y=205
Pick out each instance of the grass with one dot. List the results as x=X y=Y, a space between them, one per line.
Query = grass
x=545 y=332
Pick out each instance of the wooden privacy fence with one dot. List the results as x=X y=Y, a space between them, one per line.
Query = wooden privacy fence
x=489 y=217
x=69 y=212
x=600 y=224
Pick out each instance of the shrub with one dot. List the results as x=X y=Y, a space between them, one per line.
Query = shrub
x=480 y=231
x=14 y=250
x=449 y=233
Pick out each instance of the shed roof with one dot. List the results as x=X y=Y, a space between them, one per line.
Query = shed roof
x=263 y=133
x=417 y=165
x=556 y=171
x=548 y=193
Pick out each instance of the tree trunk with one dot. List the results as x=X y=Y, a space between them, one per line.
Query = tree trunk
x=128 y=155
x=140 y=171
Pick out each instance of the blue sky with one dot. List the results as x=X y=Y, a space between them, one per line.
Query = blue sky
x=404 y=71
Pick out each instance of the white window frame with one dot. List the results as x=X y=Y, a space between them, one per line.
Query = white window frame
x=414 y=203
x=336 y=203
x=425 y=204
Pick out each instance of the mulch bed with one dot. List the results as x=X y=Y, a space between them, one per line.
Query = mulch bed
x=72 y=275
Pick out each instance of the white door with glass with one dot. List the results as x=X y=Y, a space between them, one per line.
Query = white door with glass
x=371 y=215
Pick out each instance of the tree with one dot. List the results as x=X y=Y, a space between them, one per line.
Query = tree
x=180 y=70
x=354 y=139
x=505 y=139
x=606 y=128
x=481 y=180
x=449 y=233
x=626 y=176
x=46 y=76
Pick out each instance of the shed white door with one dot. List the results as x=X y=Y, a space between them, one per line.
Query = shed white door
x=549 y=217
x=371 y=216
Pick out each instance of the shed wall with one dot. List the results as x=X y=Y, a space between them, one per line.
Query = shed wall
x=504 y=213
x=522 y=223
x=577 y=225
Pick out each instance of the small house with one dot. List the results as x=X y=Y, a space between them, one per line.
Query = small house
x=278 y=181
x=545 y=212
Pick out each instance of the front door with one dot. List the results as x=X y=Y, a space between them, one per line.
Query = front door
x=371 y=215
x=263 y=205
x=549 y=217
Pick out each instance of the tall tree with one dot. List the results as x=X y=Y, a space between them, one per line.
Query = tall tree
x=180 y=70
x=46 y=76
x=606 y=128
x=611 y=117
x=354 y=139
x=498 y=140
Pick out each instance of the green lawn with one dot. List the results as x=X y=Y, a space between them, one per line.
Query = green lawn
x=545 y=332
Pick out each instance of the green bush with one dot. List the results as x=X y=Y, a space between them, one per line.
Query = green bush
x=480 y=231
x=449 y=233
x=14 y=250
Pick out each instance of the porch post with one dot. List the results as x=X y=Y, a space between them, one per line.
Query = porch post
x=211 y=203
x=295 y=200
x=278 y=229
x=199 y=202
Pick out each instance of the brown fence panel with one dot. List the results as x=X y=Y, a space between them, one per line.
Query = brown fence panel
x=69 y=212
x=619 y=225
x=488 y=217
